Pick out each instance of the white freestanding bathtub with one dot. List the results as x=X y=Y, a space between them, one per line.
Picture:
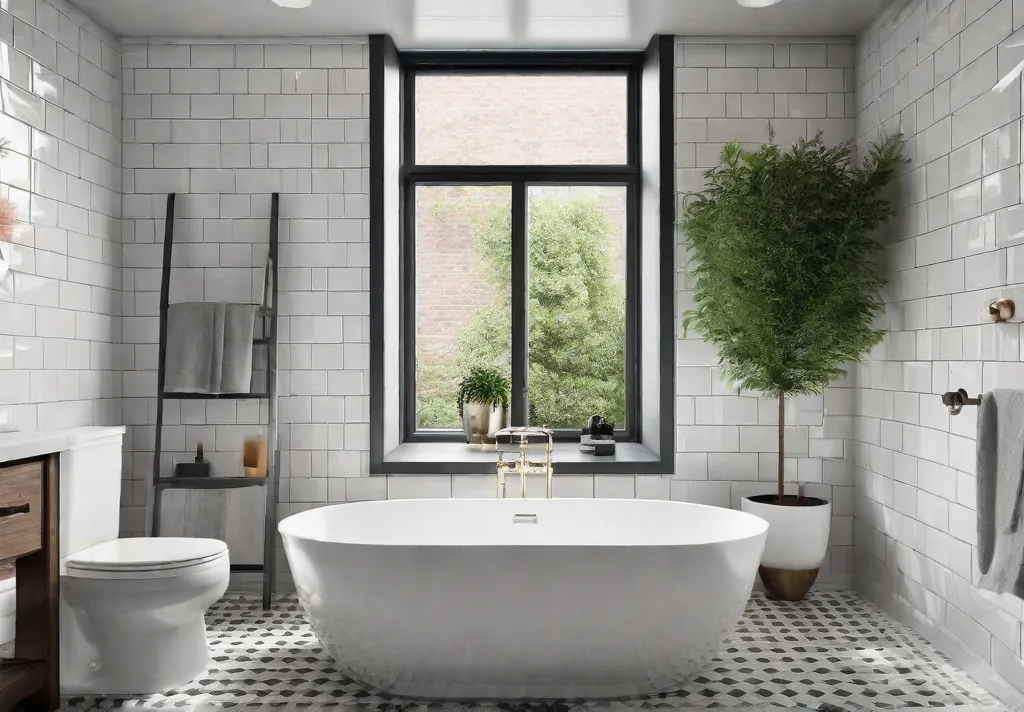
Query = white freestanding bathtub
x=523 y=599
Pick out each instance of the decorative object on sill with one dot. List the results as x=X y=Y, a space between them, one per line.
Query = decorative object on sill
x=788 y=291
x=199 y=468
x=1002 y=310
x=956 y=400
x=254 y=456
x=598 y=438
x=523 y=465
x=483 y=405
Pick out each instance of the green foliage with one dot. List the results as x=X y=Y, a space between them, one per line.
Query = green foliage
x=484 y=385
x=435 y=384
x=785 y=248
x=577 y=317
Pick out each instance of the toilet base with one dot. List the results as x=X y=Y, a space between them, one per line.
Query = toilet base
x=136 y=636
x=177 y=657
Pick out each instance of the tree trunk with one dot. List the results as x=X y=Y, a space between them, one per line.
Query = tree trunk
x=782 y=447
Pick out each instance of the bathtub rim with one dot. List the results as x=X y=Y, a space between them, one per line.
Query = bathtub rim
x=288 y=526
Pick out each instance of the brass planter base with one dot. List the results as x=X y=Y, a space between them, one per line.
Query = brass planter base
x=786 y=584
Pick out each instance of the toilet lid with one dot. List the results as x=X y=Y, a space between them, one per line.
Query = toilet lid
x=147 y=554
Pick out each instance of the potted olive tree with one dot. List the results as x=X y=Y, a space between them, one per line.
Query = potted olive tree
x=785 y=257
x=483 y=405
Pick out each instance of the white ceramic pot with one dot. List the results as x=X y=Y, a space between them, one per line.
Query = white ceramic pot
x=480 y=421
x=797 y=536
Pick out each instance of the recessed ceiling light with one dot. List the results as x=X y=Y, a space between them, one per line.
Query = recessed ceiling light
x=295 y=4
x=757 y=3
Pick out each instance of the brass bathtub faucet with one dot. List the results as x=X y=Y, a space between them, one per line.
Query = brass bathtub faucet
x=524 y=465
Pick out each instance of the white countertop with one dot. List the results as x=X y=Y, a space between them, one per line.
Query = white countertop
x=18 y=446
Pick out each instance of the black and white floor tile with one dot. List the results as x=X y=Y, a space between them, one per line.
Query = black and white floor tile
x=832 y=653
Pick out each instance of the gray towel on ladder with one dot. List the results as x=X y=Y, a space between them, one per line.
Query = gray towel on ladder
x=195 y=347
x=236 y=365
x=209 y=347
x=1000 y=473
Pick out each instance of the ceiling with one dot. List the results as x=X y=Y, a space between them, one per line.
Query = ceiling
x=482 y=23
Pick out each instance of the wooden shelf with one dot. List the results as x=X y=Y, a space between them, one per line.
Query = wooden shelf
x=19 y=679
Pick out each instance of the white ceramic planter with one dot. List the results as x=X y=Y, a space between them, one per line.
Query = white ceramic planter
x=797 y=542
x=797 y=536
x=480 y=421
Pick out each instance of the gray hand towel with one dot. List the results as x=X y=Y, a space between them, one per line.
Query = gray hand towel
x=195 y=347
x=1000 y=473
x=236 y=368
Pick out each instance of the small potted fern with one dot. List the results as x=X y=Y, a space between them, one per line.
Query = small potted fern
x=483 y=404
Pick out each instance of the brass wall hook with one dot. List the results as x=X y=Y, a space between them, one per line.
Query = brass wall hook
x=1001 y=310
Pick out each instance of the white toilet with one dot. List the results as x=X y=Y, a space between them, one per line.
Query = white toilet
x=132 y=610
x=138 y=608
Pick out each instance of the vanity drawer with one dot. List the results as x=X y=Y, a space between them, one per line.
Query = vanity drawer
x=21 y=509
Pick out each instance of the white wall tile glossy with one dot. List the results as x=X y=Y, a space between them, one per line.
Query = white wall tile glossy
x=915 y=512
x=60 y=306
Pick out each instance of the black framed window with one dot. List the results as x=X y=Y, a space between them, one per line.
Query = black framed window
x=520 y=184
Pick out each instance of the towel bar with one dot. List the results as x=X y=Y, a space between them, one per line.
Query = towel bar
x=956 y=400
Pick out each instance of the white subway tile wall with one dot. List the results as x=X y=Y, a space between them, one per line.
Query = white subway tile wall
x=727 y=441
x=60 y=305
x=225 y=126
x=946 y=74
x=288 y=129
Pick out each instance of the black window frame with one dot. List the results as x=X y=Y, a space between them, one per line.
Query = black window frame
x=519 y=178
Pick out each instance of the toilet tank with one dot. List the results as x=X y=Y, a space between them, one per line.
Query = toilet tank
x=90 y=493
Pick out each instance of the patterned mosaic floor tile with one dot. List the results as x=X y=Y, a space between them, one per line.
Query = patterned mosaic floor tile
x=833 y=653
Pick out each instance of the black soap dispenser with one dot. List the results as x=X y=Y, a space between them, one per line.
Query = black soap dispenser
x=199 y=468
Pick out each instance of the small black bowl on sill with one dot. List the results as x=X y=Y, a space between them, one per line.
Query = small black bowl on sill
x=199 y=468
x=598 y=438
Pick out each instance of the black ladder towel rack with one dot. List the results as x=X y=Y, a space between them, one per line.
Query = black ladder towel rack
x=268 y=313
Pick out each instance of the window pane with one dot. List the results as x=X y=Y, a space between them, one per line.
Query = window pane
x=480 y=119
x=463 y=292
x=577 y=244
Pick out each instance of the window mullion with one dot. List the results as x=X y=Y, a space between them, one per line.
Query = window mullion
x=520 y=302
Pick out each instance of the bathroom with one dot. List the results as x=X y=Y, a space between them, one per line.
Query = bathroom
x=110 y=106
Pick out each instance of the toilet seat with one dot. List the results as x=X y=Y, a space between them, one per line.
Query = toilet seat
x=145 y=557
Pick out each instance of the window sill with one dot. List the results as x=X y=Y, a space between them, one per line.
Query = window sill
x=456 y=458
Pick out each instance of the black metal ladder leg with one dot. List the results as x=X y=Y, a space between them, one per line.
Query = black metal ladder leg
x=274 y=455
x=165 y=286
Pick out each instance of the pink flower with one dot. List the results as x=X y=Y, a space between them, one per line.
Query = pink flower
x=8 y=219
